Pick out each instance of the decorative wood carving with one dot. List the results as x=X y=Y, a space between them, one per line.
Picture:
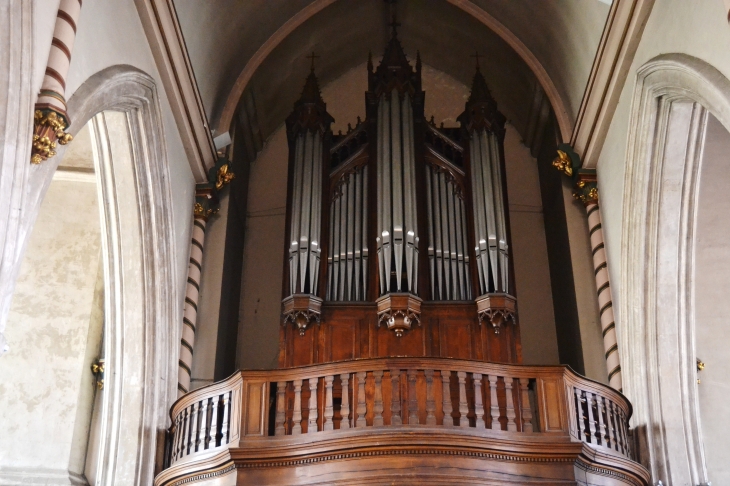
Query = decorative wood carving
x=301 y=310
x=496 y=309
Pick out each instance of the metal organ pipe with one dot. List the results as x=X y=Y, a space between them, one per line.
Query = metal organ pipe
x=348 y=238
x=491 y=247
x=304 y=249
x=397 y=237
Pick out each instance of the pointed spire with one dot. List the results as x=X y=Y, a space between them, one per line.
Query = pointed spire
x=481 y=108
x=310 y=110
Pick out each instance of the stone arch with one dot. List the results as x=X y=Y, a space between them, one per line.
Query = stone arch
x=140 y=276
x=673 y=96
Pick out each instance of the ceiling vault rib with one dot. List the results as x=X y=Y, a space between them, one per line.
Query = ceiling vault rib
x=162 y=29
x=565 y=124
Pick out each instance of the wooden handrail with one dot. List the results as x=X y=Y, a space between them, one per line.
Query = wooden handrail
x=387 y=392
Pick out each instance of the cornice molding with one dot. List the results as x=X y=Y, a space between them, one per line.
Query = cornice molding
x=620 y=39
x=164 y=35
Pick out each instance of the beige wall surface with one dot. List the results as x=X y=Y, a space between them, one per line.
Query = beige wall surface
x=45 y=382
x=712 y=307
x=699 y=29
x=260 y=310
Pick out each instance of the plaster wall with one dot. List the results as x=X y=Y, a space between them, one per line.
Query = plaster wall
x=45 y=383
x=712 y=308
x=674 y=26
x=260 y=311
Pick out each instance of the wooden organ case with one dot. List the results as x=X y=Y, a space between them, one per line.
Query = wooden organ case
x=397 y=231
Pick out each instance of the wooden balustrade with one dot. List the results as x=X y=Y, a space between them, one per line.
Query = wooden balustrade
x=379 y=394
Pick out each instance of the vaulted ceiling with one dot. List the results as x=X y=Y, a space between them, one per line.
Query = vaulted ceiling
x=259 y=47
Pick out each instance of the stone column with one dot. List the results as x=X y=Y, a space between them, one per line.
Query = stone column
x=203 y=209
x=50 y=118
x=206 y=204
x=587 y=193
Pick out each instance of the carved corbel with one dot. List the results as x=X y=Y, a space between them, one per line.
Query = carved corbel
x=497 y=309
x=48 y=128
x=301 y=310
x=399 y=311
x=586 y=188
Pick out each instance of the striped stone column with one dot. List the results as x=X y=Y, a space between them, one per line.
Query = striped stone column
x=192 y=291
x=51 y=118
x=588 y=194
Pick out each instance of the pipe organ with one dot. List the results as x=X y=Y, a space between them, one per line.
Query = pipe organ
x=397 y=231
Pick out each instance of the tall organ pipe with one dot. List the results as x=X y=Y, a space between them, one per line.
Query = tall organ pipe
x=491 y=249
x=304 y=249
x=397 y=236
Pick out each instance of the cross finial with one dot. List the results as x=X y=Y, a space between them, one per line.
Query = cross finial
x=477 y=56
x=394 y=24
x=312 y=56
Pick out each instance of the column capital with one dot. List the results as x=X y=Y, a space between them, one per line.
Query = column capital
x=49 y=127
x=206 y=194
x=584 y=180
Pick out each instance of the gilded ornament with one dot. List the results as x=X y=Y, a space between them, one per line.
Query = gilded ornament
x=224 y=177
x=563 y=163
x=48 y=129
x=586 y=192
x=201 y=211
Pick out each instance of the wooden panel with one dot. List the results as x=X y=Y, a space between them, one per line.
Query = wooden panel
x=256 y=412
x=551 y=405
x=351 y=331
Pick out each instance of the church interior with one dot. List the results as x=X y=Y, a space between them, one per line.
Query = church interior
x=340 y=242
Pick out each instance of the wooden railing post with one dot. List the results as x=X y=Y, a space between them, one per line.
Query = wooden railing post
x=280 y=427
x=200 y=441
x=361 y=409
x=345 y=404
x=463 y=405
x=493 y=403
x=510 y=409
x=226 y=421
x=378 y=399
x=430 y=399
x=395 y=416
x=296 y=418
x=478 y=405
x=448 y=408
x=313 y=412
x=329 y=410
x=412 y=398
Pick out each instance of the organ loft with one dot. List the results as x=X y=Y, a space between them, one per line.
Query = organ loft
x=398 y=241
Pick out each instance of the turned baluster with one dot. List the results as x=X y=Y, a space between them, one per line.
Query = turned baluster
x=494 y=403
x=329 y=409
x=619 y=429
x=183 y=432
x=591 y=433
x=625 y=433
x=430 y=399
x=194 y=414
x=448 y=408
x=601 y=424
x=280 y=428
x=213 y=430
x=175 y=438
x=296 y=418
x=463 y=405
x=313 y=412
x=525 y=406
x=478 y=405
x=612 y=422
x=395 y=416
x=361 y=408
x=345 y=404
x=225 y=424
x=412 y=398
x=579 y=412
x=510 y=409
x=200 y=441
x=378 y=399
